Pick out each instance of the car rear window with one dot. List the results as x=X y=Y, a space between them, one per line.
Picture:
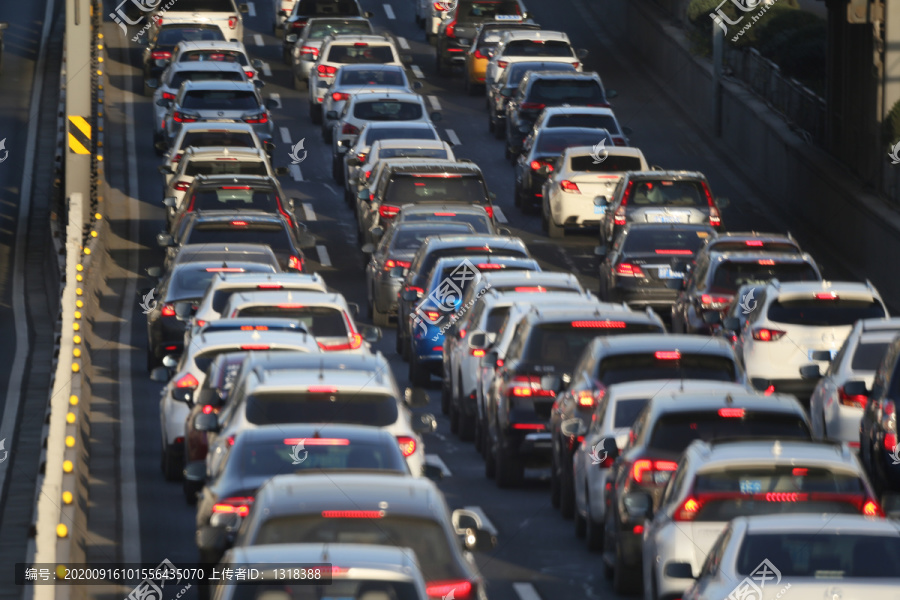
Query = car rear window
x=319 y=31
x=734 y=492
x=480 y=223
x=409 y=188
x=320 y=321
x=554 y=48
x=664 y=241
x=271 y=234
x=830 y=555
x=425 y=536
x=411 y=238
x=606 y=122
x=222 y=100
x=568 y=91
x=480 y=10
x=192 y=282
x=388 y=110
x=399 y=133
x=517 y=71
x=868 y=356
x=381 y=76
x=171 y=36
x=225 y=167
x=560 y=344
x=356 y=408
x=665 y=364
x=729 y=276
x=555 y=141
x=235 y=197
x=673 y=432
x=327 y=8
x=668 y=193
x=203 y=6
x=275 y=457
x=831 y=312
x=611 y=164
x=360 y=53
x=337 y=588
x=627 y=411
x=412 y=153
x=182 y=76
x=218 y=138
x=229 y=56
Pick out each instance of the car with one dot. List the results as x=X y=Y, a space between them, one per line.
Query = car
x=717 y=481
x=328 y=389
x=188 y=374
x=405 y=181
x=458 y=27
x=217 y=100
x=835 y=414
x=302 y=49
x=799 y=322
x=282 y=9
x=540 y=89
x=586 y=116
x=763 y=549
x=236 y=227
x=485 y=40
x=268 y=450
x=352 y=571
x=491 y=296
x=186 y=282
x=540 y=359
x=660 y=197
x=217 y=135
x=500 y=92
x=713 y=279
x=224 y=14
x=224 y=285
x=659 y=436
x=352 y=79
x=751 y=241
x=392 y=148
x=306 y=10
x=521 y=46
x=366 y=107
x=326 y=316
x=168 y=84
x=579 y=176
x=540 y=156
x=369 y=509
x=646 y=265
x=161 y=42
x=442 y=302
x=471 y=214
x=340 y=50
x=212 y=161
x=740 y=307
x=217 y=53
x=878 y=448
x=396 y=249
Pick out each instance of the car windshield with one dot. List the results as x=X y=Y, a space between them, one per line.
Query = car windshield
x=555 y=141
x=480 y=223
x=673 y=432
x=228 y=56
x=275 y=457
x=517 y=71
x=360 y=53
x=218 y=138
x=594 y=121
x=224 y=167
x=412 y=153
x=663 y=241
x=669 y=193
x=319 y=31
x=390 y=76
x=561 y=344
x=822 y=555
x=410 y=238
x=611 y=164
x=627 y=411
x=327 y=8
x=182 y=76
x=203 y=6
x=665 y=364
x=274 y=235
x=222 y=100
x=191 y=282
x=729 y=276
x=731 y=492
x=560 y=91
x=236 y=197
x=320 y=321
x=170 y=36
x=399 y=133
x=830 y=312
x=425 y=536
x=554 y=48
x=388 y=110
x=481 y=10
x=409 y=188
x=336 y=589
x=300 y=406
x=868 y=356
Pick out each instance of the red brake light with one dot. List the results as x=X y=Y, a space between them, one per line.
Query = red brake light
x=208 y=409
x=182 y=186
x=441 y=6
x=569 y=186
x=444 y=214
x=478 y=54
x=317 y=441
x=326 y=70
x=502 y=64
x=754 y=243
x=168 y=310
x=462 y=589
x=688 y=510
x=477 y=352
x=529 y=426
x=450 y=31
x=237 y=505
x=525 y=386
x=269 y=286
x=767 y=262
x=339 y=96
x=349 y=129
x=762 y=334
x=871 y=509
x=407 y=445
x=180 y=118
x=732 y=413
x=361 y=44
x=188 y=381
x=249 y=74
x=161 y=55
x=295 y=263
x=530 y=288
x=799 y=472
x=224 y=270
x=254 y=328
x=490 y=211
x=310 y=50
x=433 y=315
x=857 y=400
x=714 y=302
x=177 y=157
x=388 y=212
x=168 y=96
x=490 y=266
x=675 y=252
x=827 y=296
x=619 y=217
x=262 y=117
x=628 y=270
x=537 y=164
x=239 y=223
x=532 y=106
x=321 y=389
x=575 y=64
x=600 y=324
x=232 y=22
x=654 y=472
x=667 y=355
x=589 y=398
x=353 y=514
x=255 y=347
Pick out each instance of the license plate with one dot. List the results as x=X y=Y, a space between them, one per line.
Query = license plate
x=751 y=486
x=507 y=18
x=668 y=273
x=666 y=219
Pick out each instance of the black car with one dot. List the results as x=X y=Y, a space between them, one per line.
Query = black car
x=540 y=155
x=500 y=93
x=545 y=347
x=878 y=449
x=459 y=29
x=540 y=89
x=162 y=41
x=237 y=227
x=646 y=264
x=304 y=10
x=186 y=282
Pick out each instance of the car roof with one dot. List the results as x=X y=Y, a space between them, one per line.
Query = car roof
x=531 y=278
x=731 y=236
x=434 y=165
x=222 y=252
x=395 y=124
x=532 y=34
x=651 y=342
x=270 y=297
x=532 y=75
x=802 y=289
x=211 y=265
x=818 y=523
x=445 y=261
x=717 y=453
x=374 y=364
x=757 y=255
x=365 y=95
x=471 y=239
x=226 y=127
x=650 y=388
x=318 y=20
x=502 y=25
x=876 y=325
x=400 y=563
x=604 y=311
x=613 y=151
x=527 y=65
x=677 y=401
x=638 y=226
x=571 y=130
x=346 y=38
x=205 y=65
x=236 y=152
x=370 y=67
x=241 y=86
x=224 y=280
x=581 y=110
x=220 y=324
x=407 y=209
x=253 y=180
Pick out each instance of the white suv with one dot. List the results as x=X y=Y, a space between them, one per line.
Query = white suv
x=521 y=45
x=794 y=323
x=224 y=14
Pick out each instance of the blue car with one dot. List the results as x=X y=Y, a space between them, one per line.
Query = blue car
x=440 y=307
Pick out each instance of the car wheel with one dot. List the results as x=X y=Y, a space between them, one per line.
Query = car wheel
x=509 y=469
x=420 y=21
x=315 y=113
x=327 y=134
x=507 y=151
x=593 y=533
x=399 y=338
x=152 y=361
x=490 y=467
x=170 y=463
x=566 y=494
x=286 y=56
x=580 y=526
x=625 y=580
x=446 y=393
x=491 y=127
x=465 y=425
x=479 y=436
x=439 y=63
x=609 y=532
x=148 y=91
x=499 y=132
x=555 y=231
x=298 y=84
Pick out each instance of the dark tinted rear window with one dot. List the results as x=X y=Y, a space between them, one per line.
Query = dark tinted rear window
x=410 y=238
x=217 y=138
x=235 y=197
x=480 y=10
x=668 y=193
x=412 y=153
x=832 y=555
x=674 y=432
x=360 y=53
x=225 y=167
x=585 y=120
x=561 y=344
x=171 y=36
x=357 y=408
x=379 y=76
x=229 y=56
x=183 y=76
x=406 y=188
x=496 y=319
x=320 y=321
x=327 y=8
x=729 y=276
x=275 y=236
x=868 y=356
x=612 y=164
x=568 y=91
x=220 y=100
x=275 y=457
x=666 y=242
x=538 y=48
x=627 y=411
x=398 y=133
x=192 y=283
x=623 y=368
x=555 y=141
x=388 y=110
x=814 y=312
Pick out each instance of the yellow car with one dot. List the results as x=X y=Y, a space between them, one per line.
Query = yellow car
x=479 y=53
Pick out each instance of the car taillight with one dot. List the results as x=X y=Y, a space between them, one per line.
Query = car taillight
x=296 y=25
x=619 y=141
x=310 y=50
x=180 y=117
x=619 y=217
x=450 y=32
x=352 y=514
x=339 y=96
x=161 y=55
x=387 y=211
x=715 y=219
x=295 y=263
x=527 y=386
x=391 y=263
x=260 y=118
x=366 y=175
x=576 y=64
x=714 y=302
x=168 y=310
x=177 y=157
x=589 y=398
x=168 y=96
x=628 y=270
x=732 y=413
x=490 y=211
x=235 y=505
x=537 y=164
x=232 y=22
x=479 y=54
x=407 y=445
x=461 y=590
x=652 y=472
x=326 y=70
x=182 y=186
x=477 y=352
x=532 y=106
x=188 y=381
x=871 y=509
x=502 y=64
x=200 y=323
x=688 y=510
x=349 y=129
x=433 y=315
x=419 y=291
x=361 y=158
x=763 y=334
x=249 y=74
x=855 y=400
x=569 y=186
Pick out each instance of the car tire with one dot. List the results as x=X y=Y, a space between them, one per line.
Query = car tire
x=337 y=169
x=499 y=132
x=608 y=551
x=439 y=63
x=580 y=526
x=593 y=532
x=315 y=113
x=491 y=127
x=148 y=91
x=566 y=495
x=509 y=470
x=507 y=151
x=479 y=436
x=170 y=464
x=152 y=361
x=465 y=426
x=556 y=232
x=446 y=392
x=418 y=376
x=327 y=134
x=190 y=489
x=286 y=56
x=625 y=580
x=298 y=84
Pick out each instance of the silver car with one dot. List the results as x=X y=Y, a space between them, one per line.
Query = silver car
x=224 y=14
x=308 y=42
x=380 y=130
x=383 y=149
x=353 y=79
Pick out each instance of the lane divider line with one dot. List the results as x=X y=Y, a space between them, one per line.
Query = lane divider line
x=277 y=98
x=404 y=45
x=417 y=71
x=285 y=135
x=389 y=12
x=251 y=9
x=296 y=173
x=266 y=69
x=453 y=138
x=434 y=102
x=257 y=39
x=310 y=212
x=486 y=523
x=324 y=259
x=436 y=460
x=499 y=216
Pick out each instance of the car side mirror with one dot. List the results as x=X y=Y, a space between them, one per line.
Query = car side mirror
x=165 y=169
x=376 y=232
x=610 y=94
x=343 y=146
x=368 y=248
x=406 y=59
x=856 y=388
x=206 y=422
x=269 y=147
x=280 y=171
x=490 y=359
x=155 y=272
x=183 y=395
x=479 y=540
x=332 y=115
x=396 y=272
x=260 y=84
x=370 y=333
x=504 y=231
x=478 y=341
x=271 y=103
x=195 y=471
x=732 y=324
x=165 y=240
x=627 y=130
x=810 y=372
x=291 y=38
x=170 y=201
x=160 y=374
x=680 y=570
x=214 y=540
x=573 y=427
x=407 y=295
x=160 y=146
x=184 y=311
x=436 y=117
x=723 y=202
x=432 y=472
x=712 y=318
x=581 y=53
x=353 y=161
x=544 y=171
x=257 y=64
x=163 y=102
x=363 y=194
x=600 y=251
x=415 y=397
x=638 y=505
x=369 y=14
x=426 y=423
x=601 y=201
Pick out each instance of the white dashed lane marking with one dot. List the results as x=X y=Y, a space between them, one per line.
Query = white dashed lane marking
x=266 y=69
x=404 y=45
x=251 y=9
x=276 y=97
x=434 y=102
x=435 y=459
x=324 y=259
x=417 y=71
x=285 y=135
x=499 y=216
x=453 y=138
x=526 y=591
x=257 y=39
x=296 y=173
x=310 y=212
x=389 y=12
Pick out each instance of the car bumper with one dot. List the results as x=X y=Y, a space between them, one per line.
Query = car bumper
x=536 y=444
x=652 y=297
x=574 y=210
x=174 y=415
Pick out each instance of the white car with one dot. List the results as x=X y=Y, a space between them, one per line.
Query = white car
x=583 y=174
x=280 y=11
x=835 y=413
x=353 y=79
x=386 y=149
x=203 y=135
x=721 y=480
x=778 y=557
x=794 y=323
x=521 y=45
x=308 y=43
x=224 y=14
x=595 y=117
x=217 y=52
x=341 y=50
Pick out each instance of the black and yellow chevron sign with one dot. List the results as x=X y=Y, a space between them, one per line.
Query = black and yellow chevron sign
x=79 y=135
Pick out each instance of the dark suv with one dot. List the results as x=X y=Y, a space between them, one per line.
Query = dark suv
x=458 y=30
x=878 y=449
x=304 y=10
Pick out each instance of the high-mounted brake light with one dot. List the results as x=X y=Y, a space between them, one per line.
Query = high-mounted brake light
x=289 y=305
x=269 y=286
x=530 y=288
x=256 y=347
x=254 y=328
x=675 y=252
x=444 y=214
x=462 y=589
x=628 y=270
x=667 y=355
x=732 y=413
x=239 y=223
x=767 y=262
x=407 y=445
x=799 y=472
x=239 y=506
x=599 y=324
x=754 y=243
x=827 y=296
x=490 y=266
x=225 y=270
x=353 y=514
x=188 y=381
x=313 y=441
x=321 y=389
